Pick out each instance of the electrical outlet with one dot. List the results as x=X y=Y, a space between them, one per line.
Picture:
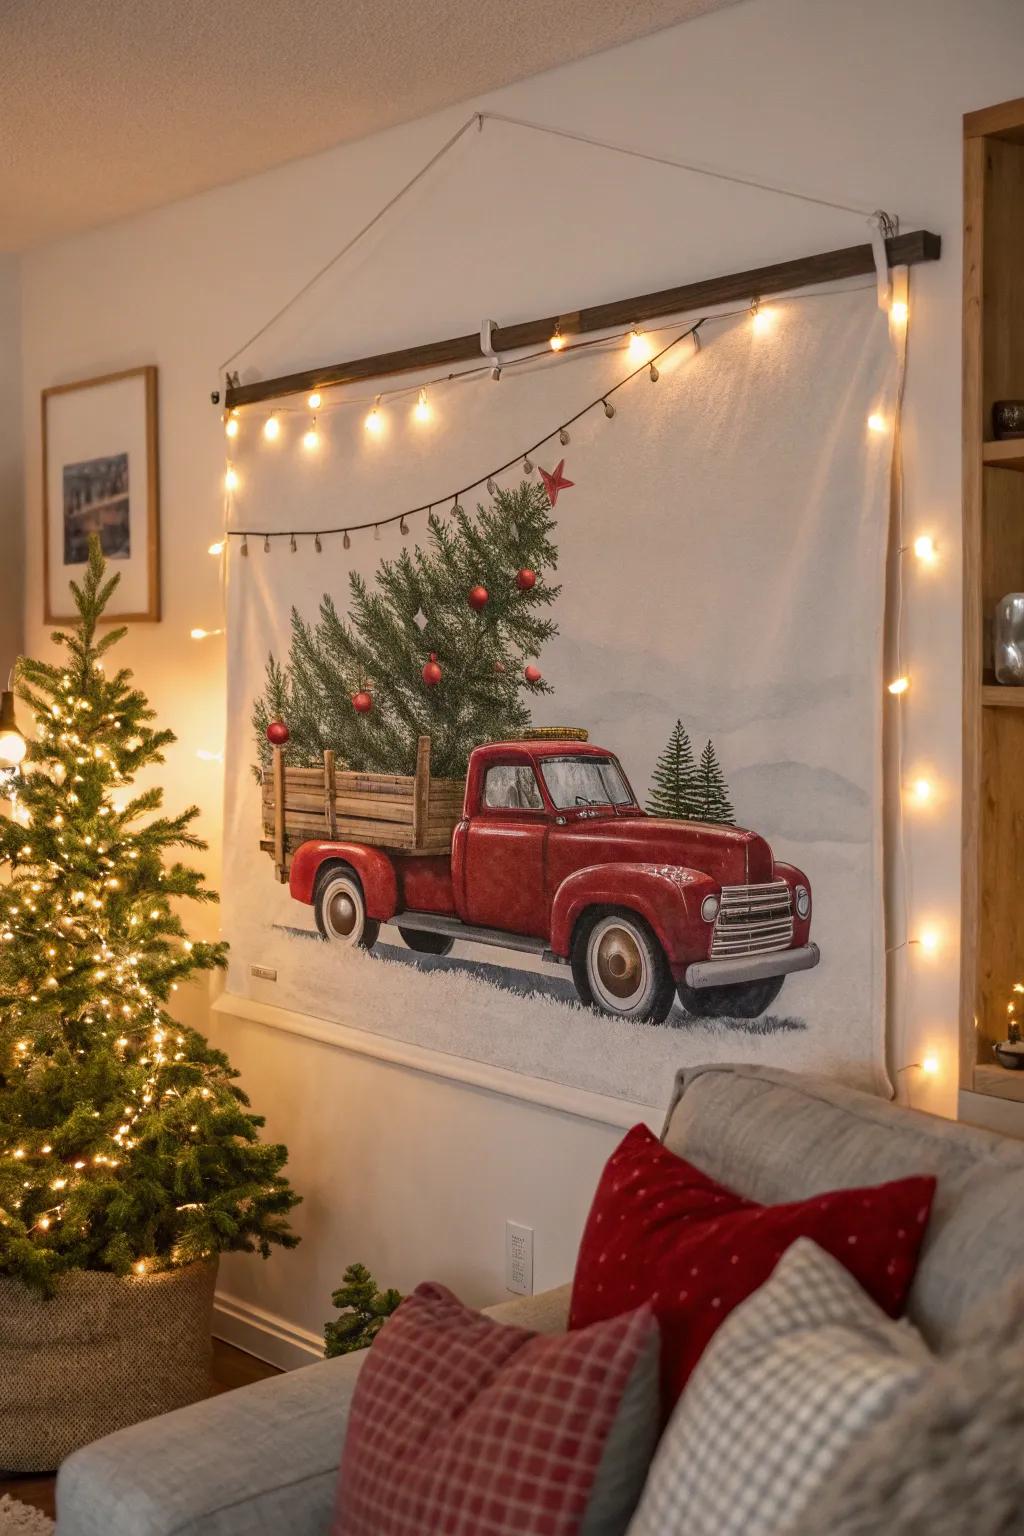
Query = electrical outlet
x=518 y=1258
x=263 y=972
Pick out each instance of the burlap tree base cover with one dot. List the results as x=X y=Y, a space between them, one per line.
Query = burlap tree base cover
x=103 y=1353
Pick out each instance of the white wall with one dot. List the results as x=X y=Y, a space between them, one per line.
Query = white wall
x=11 y=495
x=858 y=102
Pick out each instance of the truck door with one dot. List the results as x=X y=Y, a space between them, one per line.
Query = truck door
x=504 y=859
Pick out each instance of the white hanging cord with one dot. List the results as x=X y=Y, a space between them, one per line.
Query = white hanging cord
x=678 y=165
x=889 y=224
x=423 y=171
x=882 y=226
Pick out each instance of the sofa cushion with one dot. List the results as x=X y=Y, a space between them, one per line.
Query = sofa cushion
x=775 y=1135
x=661 y=1230
x=464 y=1425
x=790 y=1384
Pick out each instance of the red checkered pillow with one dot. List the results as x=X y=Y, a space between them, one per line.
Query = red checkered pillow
x=461 y=1426
x=659 y=1230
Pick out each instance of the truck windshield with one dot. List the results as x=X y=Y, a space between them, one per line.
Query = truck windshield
x=573 y=781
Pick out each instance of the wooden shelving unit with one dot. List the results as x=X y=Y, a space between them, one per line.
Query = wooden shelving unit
x=992 y=947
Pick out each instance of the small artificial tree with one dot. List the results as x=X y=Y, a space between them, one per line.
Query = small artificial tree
x=124 y=1142
x=364 y=1308
x=713 y=803
x=675 y=786
x=468 y=608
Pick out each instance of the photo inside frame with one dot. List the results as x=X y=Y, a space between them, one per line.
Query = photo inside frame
x=101 y=478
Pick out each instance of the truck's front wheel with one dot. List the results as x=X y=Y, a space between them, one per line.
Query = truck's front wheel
x=741 y=1000
x=341 y=909
x=619 y=966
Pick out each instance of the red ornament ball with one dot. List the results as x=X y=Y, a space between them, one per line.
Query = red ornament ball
x=432 y=672
x=526 y=579
x=533 y=674
x=362 y=702
x=277 y=733
x=477 y=598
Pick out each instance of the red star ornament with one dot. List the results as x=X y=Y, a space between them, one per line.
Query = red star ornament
x=555 y=481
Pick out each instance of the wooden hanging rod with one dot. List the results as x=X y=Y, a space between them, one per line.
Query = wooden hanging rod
x=827 y=267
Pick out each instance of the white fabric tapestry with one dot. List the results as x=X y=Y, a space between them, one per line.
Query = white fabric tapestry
x=602 y=785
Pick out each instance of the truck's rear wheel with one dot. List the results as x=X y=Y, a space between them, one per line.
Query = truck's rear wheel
x=426 y=943
x=341 y=909
x=619 y=966
x=741 y=1000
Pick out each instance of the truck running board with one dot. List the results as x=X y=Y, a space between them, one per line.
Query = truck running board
x=431 y=922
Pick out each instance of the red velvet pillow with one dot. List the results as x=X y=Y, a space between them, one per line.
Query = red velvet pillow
x=659 y=1230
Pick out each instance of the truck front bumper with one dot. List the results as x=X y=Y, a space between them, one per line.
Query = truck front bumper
x=739 y=968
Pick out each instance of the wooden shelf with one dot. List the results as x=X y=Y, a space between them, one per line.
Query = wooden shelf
x=1002 y=696
x=1005 y=454
x=992 y=937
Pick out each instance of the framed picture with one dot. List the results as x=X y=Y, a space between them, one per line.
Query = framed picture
x=101 y=475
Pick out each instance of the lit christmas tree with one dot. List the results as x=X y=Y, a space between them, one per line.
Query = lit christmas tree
x=713 y=803
x=442 y=646
x=675 y=787
x=124 y=1142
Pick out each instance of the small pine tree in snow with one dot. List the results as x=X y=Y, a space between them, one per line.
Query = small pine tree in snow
x=713 y=792
x=675 y=784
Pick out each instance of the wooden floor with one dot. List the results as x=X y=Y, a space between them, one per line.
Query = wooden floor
x=231 y=1368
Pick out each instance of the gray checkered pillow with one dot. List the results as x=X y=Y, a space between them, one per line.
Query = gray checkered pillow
x=790 y=1383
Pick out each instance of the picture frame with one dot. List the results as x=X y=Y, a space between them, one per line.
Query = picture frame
x=101 y=474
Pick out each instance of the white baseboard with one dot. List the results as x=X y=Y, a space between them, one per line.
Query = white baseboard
x=264 y=1334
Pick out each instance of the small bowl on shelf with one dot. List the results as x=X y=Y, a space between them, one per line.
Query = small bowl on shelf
x=1008 y=419
x=1010 y=1053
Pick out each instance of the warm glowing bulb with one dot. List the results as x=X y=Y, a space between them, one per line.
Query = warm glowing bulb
x=13 y=747
x=639 y=347
x=899 y=311
x=556 y=341
x=140 y=1266
x=929 y=940
x=231 y=480
x=921 y=789
x=311 y=439
x=231 y=426
x=925 y=550
x=877 y=422
x=899 y=685
x=763 y=320
x=314 y=400
x=373 y=422
x=216 y=548
x=421 y=410
x=271 y=428
x=930 y=1064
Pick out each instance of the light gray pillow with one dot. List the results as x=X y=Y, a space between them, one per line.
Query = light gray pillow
x=951 y=1459
x=789 y=1384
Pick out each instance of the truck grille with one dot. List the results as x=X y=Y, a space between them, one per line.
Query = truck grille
x=753 y=920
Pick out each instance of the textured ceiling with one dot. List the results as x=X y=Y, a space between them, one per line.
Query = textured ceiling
x=108 y=107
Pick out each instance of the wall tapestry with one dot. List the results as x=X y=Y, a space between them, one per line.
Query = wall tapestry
x=577 y=774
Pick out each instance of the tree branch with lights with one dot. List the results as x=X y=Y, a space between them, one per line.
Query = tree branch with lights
x=125 y=1143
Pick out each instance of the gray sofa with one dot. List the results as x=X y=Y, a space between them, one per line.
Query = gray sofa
x=265 y=1459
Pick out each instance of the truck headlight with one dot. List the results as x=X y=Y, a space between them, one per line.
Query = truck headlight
x=709 y=908
x=802 y=897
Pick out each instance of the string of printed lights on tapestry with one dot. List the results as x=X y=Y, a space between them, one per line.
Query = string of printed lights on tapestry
x=888 y=261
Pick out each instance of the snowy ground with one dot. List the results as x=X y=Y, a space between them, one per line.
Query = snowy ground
x=527 y=1018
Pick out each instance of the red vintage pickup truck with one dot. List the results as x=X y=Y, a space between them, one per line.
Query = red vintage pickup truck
x=555 y=857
